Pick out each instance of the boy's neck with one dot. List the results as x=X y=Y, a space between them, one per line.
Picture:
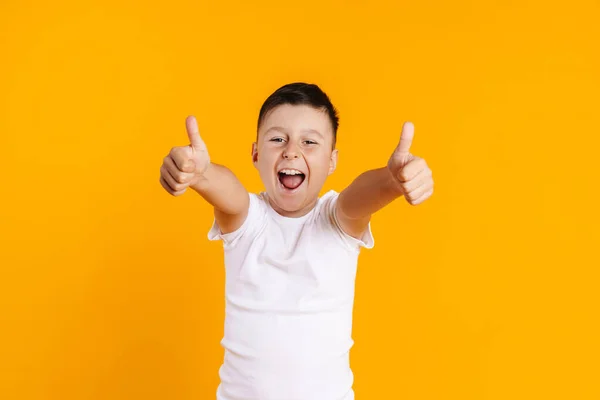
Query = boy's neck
x=293 y=213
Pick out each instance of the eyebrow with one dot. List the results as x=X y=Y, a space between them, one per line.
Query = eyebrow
x=281 y=129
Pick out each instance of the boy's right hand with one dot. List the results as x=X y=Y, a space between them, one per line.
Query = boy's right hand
x=185 y=166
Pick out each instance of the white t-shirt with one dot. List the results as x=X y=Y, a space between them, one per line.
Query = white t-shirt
x=289 y=299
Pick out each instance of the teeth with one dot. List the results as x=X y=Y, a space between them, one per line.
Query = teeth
x=290 y=171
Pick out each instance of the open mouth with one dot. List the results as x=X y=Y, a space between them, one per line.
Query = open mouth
x=291 y=178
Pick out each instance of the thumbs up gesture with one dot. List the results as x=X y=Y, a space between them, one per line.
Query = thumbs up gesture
x=185 y=166
x=412 y=173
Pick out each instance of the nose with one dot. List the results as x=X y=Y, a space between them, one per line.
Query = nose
x=290 y=152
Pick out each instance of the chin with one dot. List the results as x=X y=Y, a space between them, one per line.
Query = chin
x=290 y=200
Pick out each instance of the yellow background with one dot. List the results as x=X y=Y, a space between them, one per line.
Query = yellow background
x=109 y=288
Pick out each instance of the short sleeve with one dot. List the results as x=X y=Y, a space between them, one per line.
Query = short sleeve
x=251 y=224
x=328 y=208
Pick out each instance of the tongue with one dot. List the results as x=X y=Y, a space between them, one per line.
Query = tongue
x=291 y=181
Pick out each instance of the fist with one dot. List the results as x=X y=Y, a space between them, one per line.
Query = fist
x=185 y=166
x=411 y=173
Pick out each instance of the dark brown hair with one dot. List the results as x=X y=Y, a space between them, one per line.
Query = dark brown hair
x=300 y=93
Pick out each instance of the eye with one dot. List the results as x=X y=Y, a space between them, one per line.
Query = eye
x=310 y=142
x=277 y=140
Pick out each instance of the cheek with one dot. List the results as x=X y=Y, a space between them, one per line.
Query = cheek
x=266 y=156
x=266 y=162
x=319 y=165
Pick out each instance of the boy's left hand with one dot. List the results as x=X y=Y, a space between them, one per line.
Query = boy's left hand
x=412 y=173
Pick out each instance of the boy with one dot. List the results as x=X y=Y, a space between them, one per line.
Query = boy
x=290 y=256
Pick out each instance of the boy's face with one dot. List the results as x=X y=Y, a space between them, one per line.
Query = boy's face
x=294 y=156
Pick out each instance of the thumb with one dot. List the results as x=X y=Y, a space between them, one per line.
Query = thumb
x=408 y=132
x=194 y=134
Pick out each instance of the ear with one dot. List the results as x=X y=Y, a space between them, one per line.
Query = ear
x=254 y=153
x=333 y=161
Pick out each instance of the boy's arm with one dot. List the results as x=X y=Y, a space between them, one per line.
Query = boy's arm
x=405 y=175
x=190 y=166
x=368 y=193
x=221 y=188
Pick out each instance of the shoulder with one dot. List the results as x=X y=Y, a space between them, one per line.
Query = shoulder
x=253 y=221
x=260 y=200
x=326 y=216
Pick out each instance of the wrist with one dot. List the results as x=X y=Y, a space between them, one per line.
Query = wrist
x=203 y=179
x=392 y=184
